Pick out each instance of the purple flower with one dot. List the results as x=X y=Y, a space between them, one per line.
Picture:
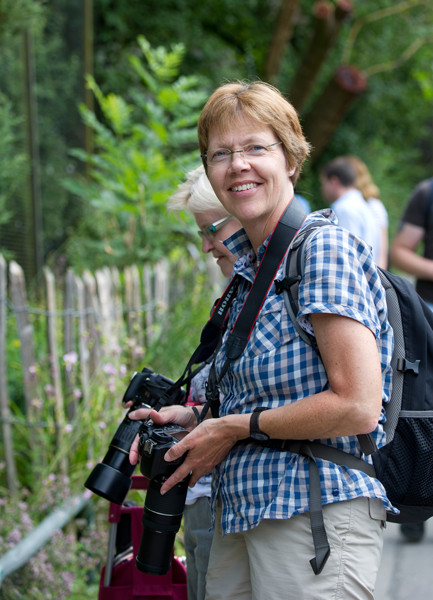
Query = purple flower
x=49 y=390
x=70 y=359
x=14 y=536
x=109 y=369
x=37 y=403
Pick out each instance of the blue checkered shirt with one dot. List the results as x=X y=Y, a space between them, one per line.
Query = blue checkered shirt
x=277 y=367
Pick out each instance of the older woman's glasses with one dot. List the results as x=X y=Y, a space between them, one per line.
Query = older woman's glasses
x=222 y=156
x=210 y=230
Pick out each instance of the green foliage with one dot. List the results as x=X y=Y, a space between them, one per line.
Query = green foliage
x=18 y=15
x=13 y=161
x=221 y=42
x=144 y=143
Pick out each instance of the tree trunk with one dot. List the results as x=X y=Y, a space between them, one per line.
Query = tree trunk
x=282 y=35
x=331 y=106
x=328 y=22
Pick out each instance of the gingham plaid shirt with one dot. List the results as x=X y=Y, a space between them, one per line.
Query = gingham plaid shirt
x=277 y=367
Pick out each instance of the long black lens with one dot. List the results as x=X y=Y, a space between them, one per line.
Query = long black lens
x=162 y=516
x=111 y=478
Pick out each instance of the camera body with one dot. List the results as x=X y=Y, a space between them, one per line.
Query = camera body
x=154 y=441
x=148 y=387
x=111 y=478
x=162 y=514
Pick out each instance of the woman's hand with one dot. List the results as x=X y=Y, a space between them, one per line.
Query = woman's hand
x=205 y=447
x=181 y=415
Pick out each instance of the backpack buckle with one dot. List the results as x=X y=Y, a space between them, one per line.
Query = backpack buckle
x=405 y=365
x=286 y=283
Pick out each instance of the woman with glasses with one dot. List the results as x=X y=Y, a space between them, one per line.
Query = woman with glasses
x=280 y=388
x=196 y=196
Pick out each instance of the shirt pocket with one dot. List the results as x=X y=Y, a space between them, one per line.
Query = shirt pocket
x=273 y=328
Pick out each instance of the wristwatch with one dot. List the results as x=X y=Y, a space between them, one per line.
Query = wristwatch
x=255 y=432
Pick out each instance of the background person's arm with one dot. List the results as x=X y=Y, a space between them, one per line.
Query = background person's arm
x=403 y=254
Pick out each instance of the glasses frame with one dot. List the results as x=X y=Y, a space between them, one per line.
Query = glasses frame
x=230 y=153
x=210 y=230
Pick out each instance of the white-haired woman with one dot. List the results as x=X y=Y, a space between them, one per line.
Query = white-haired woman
x=196 y=196
x=215 y=224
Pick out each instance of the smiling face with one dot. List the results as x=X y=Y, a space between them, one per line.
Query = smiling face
x=255 y=191
x=214 y=244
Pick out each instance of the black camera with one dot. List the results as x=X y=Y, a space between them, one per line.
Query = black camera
x=162 y=515
x=111 y=478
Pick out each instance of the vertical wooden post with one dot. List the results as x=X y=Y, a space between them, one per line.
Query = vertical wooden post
x=11 y=472
x=25 y=334
x=84 y=339
x=162 y=288
x=133 y=304
x=117 y=304
x=103 y=286
x=148 y=297
x=53 y=349
x=93 y=325
x=69 y=339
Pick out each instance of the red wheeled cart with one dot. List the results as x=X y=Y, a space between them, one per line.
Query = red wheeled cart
x=120 y=578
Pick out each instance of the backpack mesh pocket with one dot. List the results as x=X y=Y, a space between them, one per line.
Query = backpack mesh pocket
x=405 y=465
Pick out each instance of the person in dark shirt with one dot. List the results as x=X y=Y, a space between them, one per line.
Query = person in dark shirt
x=416 y=228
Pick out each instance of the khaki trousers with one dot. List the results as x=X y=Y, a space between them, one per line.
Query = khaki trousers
x=272 y=561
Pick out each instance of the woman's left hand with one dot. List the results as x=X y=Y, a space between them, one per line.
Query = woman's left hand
x=206 y=446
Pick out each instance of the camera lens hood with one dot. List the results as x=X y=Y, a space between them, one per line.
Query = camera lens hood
x=109 y=483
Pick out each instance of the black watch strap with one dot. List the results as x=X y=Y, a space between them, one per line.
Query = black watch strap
x=255 y=432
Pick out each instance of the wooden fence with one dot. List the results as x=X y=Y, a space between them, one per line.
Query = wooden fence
x=97 y=309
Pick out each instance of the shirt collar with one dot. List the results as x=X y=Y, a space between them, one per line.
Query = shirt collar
x=240 y=246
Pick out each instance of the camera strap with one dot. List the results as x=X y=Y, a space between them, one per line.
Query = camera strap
x=210 y=339
x=212 y=333
x=281 y=238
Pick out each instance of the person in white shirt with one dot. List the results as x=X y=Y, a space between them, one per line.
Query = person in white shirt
x=365 y=184
x=353 y=212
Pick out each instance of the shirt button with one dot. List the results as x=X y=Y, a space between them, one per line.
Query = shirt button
x=335 y=492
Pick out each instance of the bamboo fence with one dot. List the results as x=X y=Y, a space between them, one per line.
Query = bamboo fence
x=96 y=309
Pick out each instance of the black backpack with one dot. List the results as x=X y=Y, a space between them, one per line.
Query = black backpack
x=404 y=465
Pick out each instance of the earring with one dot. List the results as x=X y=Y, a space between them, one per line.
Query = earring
x=292 y=171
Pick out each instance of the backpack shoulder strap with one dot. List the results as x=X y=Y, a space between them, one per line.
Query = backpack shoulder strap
x=294 y=271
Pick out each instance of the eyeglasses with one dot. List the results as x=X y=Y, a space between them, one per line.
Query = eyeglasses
x=210 y=230
x=221 y=156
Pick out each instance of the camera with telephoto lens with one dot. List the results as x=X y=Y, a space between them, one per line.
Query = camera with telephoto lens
x=111 y=478
x=162 y=514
